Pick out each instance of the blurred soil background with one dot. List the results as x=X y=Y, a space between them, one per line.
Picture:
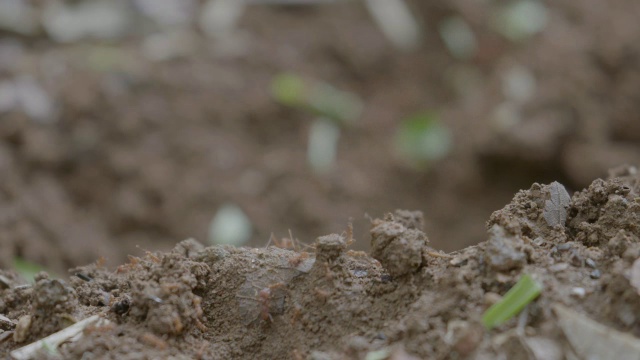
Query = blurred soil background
x=128 y=125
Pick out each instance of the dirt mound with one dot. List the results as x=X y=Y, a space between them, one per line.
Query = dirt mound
x=327 y=302
x=103 y=147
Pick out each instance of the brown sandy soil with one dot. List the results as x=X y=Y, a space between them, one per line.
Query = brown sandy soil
x=138 y=153
x=404 y=300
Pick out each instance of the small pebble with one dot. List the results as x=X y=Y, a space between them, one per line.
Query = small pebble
x=576 y=259
x=359 y=273
x=491 y=298
x=503 y=251
x=579 y=292
x=458 y=261
x=22 y=329
x=380 y=336
x=559 y=267
x=6 y=323
x=4 y=335
x=564 y=247
x=590 y=263
x=595 y=274
x=4 y=282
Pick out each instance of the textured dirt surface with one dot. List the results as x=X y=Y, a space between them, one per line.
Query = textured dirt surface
x=134 y=153
x=140 y=152
x=325 y=301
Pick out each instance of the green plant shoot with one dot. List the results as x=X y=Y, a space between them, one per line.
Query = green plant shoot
x=288 y=89
x=319 y=98
x=421 y=139
x=519 y=296
x=26 y=269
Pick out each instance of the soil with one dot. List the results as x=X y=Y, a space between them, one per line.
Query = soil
x=135 y=154
x=326 y=301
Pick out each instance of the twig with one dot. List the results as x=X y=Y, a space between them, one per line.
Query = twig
x=68 y=334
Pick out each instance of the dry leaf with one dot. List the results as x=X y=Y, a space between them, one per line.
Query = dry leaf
x=555 y=211
x=592 y=340
x=69 y=334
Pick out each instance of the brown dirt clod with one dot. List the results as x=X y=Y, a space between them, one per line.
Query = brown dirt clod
x=330 y=303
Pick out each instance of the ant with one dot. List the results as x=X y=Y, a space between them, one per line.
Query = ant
x=269 y=301
x=153 y=340
x=295 y=260
x=264 y=298
x=289 y=243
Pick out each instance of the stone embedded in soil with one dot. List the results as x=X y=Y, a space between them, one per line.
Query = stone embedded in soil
x=505 y=252
x=618 y=244
x=464 y=336
x=22 y=330
x=398 y=248
x=6 y=323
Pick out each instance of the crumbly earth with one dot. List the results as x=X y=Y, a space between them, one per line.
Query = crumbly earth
x=404 y=300
x=140 y=151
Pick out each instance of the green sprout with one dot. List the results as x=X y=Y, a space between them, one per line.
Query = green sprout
x=26 y=269
x=519 y=296
x=288 y=89
x=422 y=139
x=318 y=98
x=333 y=109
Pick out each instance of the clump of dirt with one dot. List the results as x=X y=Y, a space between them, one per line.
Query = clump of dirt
x=324 y=301
x=138 y=150
x=399 y=244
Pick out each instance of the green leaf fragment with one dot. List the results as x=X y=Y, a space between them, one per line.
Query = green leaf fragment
x=378 y=354
x=340 y=106
x=316 y=97
x=519 y=296
x=288 y=89
x=422 y=138
x=26 y=269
